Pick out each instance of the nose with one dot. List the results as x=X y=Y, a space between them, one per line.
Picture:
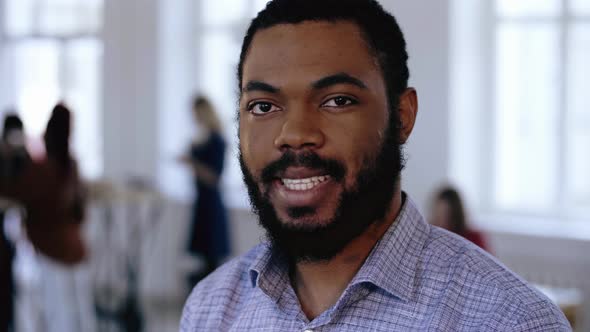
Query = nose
x=301 y=130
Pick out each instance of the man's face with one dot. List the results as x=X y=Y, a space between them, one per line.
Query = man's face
x=314 y=136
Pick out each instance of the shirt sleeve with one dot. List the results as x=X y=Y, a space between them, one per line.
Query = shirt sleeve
x=192 y=313
x=548 y=318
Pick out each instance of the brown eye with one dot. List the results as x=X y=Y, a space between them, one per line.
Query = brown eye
x=340 y=101
x=261 y=108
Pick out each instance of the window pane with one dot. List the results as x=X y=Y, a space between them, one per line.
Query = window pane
x=82 y=93
x=63 y=17
x=526 y=141
x=511 y=8
x=218 y=12
x=19 y=17
x=580 y=7
x=219 y=56
x=36 y=76
x=578 y=156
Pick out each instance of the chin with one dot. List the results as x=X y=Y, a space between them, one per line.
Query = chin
x=306 y=223
x=308 y=218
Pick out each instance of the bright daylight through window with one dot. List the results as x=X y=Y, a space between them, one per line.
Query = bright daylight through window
x=542 y=108
x=53 y=52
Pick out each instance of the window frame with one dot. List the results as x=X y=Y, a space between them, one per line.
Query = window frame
x=62 y=41
x=473 y=104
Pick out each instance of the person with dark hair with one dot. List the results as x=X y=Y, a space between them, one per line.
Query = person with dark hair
x=52 y=194
x=449 y=213
x=13 y=154
x=324 y=112
x=208 y=237
x=14 y=157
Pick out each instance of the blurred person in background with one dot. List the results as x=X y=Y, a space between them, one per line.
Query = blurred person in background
x=208 y=237
x=448 y=212
x=13 y=159
x=14 y=156
x=53 y=197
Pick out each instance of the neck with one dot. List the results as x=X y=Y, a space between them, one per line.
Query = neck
x=319 y=285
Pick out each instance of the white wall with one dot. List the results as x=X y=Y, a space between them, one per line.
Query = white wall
x=178 y=81
x=470 y=53
x=428 y=49
x=130 y=88
x=150 y=76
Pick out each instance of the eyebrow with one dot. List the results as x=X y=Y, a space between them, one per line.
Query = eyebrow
x=260 y=86
x=322 y=83
x=340 y=78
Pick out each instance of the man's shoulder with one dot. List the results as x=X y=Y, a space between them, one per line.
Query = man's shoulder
x=464 y=262
x=480 y=278
x=220 y=291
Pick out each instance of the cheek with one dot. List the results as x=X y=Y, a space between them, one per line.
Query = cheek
x=358 y=146
x=245 y=142
x=256 y=145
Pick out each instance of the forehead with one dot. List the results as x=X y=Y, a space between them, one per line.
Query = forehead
x=308 y=50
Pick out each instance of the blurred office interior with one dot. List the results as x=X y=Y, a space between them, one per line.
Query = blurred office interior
x=504 y=116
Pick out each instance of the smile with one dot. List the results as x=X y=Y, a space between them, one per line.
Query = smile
x=304 y=184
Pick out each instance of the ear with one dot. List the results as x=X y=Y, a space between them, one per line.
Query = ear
x=408 y=110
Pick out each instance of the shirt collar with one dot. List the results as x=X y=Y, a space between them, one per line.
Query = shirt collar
x=391 y=265
x=269 y=272
x=394 y=260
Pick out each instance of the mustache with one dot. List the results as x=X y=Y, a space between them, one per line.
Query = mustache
x=334 y=168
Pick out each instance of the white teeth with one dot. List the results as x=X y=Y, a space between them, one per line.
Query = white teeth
x=304 y=184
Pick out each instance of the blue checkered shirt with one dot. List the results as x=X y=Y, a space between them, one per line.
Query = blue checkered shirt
x=417 y=278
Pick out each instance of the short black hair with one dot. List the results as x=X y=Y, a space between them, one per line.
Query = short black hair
x=11 y=122
x=380 y=30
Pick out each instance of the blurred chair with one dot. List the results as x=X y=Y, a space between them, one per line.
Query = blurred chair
x=123 y=223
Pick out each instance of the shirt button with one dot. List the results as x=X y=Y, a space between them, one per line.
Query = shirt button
x=308 y=330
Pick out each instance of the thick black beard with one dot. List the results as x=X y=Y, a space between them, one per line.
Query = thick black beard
x=365 y=204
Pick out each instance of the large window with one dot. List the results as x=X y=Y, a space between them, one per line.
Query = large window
x=223 y=25
x=52 y=52
x=542 y=105
x=521 y=124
